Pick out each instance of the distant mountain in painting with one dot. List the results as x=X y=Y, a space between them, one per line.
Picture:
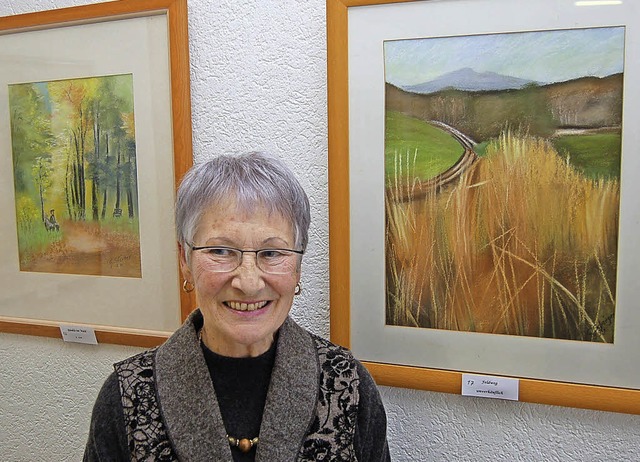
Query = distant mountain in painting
x=466 y=79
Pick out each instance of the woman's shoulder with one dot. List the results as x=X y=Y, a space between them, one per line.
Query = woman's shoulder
x=324 y=343
x=144 y=358
x=110 y=391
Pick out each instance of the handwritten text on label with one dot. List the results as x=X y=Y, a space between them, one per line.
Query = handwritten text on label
x=490 y=387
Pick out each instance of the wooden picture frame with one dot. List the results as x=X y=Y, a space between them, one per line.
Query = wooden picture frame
x=341 y=120
x=166 y=19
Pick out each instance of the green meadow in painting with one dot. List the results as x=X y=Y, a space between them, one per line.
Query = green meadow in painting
x=503 y=156
x=74 y=169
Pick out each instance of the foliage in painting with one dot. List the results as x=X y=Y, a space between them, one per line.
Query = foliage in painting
x=502 y=196
x=75 y=176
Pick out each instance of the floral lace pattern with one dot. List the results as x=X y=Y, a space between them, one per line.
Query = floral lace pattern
x=146 y=433
x=331 y=435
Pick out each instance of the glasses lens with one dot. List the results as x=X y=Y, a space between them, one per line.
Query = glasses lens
x=223 y=259
x=274 y=261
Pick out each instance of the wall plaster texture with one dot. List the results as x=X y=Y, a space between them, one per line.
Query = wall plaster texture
x=258 y=78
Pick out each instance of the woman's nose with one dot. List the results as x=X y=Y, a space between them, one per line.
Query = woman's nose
x=248 y=277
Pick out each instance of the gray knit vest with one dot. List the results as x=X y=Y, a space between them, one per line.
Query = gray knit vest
x=330 y=437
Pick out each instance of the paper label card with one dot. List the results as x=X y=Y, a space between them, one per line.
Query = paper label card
x=485 y=386
x=78 y=334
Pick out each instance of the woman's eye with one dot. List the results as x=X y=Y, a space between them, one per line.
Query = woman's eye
x=220 y=252
x=269 y=254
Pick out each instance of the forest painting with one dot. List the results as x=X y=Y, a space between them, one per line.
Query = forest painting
x=74 y=171
x=502 y=166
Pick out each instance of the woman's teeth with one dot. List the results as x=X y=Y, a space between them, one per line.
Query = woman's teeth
x=246 y=306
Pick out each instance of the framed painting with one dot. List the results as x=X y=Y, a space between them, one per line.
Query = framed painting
x=482 y=216
x=95 y=134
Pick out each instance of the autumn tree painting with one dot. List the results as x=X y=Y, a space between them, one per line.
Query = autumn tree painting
x=503 y=156
x=75 y=176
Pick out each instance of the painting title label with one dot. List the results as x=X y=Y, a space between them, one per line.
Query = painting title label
x=484 y=386
x=78 y=334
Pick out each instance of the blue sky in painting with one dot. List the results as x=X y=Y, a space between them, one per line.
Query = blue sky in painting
x=545 y=57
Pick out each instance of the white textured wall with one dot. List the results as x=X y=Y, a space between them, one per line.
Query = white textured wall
x=259 y=82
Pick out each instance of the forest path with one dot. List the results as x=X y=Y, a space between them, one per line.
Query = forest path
x=77 y=237
x=87 y=248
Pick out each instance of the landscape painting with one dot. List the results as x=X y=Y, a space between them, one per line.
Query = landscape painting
x=502 y=169
x=75 y=176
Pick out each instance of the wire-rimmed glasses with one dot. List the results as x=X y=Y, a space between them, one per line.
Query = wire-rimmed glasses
x=225 y=259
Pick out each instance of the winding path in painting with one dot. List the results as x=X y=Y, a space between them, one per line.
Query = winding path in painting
x=466 y=160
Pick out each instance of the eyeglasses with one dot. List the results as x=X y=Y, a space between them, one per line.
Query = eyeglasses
x=271 y=261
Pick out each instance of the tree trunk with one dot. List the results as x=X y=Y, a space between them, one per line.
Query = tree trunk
x=95 y=190
x=117 y=211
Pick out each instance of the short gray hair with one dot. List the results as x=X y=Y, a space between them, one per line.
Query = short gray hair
x=253 y=179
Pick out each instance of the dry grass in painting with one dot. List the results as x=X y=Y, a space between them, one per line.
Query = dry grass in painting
x=523 y=244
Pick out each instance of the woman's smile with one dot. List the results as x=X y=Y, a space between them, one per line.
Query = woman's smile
x=246 y=306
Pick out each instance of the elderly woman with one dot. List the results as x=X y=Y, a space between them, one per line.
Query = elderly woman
x=240 y=380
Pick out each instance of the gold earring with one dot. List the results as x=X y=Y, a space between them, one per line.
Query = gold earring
x=298 y=289
x=187 y=286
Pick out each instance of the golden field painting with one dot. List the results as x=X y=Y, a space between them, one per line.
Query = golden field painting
x=503 y=158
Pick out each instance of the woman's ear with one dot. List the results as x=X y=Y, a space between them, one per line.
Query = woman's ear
x=184 y=265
